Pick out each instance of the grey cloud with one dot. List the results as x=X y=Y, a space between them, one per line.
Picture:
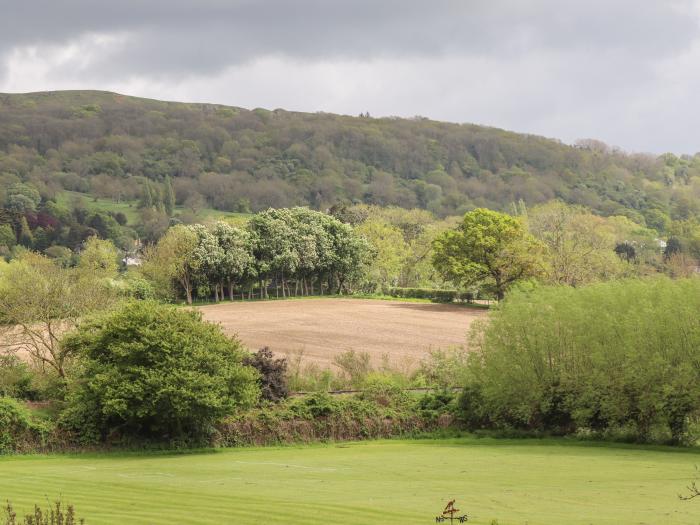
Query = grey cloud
x=182 y=37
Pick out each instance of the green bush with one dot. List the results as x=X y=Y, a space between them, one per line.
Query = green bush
x=322 y=417
x=435 y=295
x=16 y=380
x=18 y=431
x=153 y=371
x=604 y=357
x=135 y=286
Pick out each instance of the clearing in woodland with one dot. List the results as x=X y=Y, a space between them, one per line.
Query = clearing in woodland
x=323 y=328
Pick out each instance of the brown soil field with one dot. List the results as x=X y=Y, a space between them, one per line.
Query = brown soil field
x=320 y=328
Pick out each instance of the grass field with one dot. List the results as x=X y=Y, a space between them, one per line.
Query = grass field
x=130 y=208
x=516 y=482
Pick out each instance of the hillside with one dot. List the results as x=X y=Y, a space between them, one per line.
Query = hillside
x=232 y=159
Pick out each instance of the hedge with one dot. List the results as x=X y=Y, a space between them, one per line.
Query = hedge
x=438 y=296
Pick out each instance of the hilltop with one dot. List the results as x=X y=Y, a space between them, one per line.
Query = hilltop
x=238 y=160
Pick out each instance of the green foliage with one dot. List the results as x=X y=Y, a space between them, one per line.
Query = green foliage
x=253 y=160
x=39 y=300
x=16 y=379
x=99 y=257
x=383 y=410
x=602 y=357
x=17 y=428
x=487 y=247
x=438 y=296
x=7 y=236
x=155 y=371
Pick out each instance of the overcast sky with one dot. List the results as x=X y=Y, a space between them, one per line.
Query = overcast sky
x=623 y=71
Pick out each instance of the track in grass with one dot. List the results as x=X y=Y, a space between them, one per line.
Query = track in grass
x=547 y=482
x=323 y=328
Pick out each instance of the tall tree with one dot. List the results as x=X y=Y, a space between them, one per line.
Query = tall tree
x=172 y=260
x=169 y=196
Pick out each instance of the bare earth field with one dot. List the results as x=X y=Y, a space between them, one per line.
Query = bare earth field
x=322 y=328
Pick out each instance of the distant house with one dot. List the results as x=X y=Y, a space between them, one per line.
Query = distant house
x=132 y=260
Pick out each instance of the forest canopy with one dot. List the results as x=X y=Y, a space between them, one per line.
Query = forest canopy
x=232 y=159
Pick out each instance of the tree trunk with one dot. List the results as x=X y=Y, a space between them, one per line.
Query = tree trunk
x=188 y=293
x=230 y=290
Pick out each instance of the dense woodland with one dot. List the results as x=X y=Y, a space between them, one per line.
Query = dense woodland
x=226 y=158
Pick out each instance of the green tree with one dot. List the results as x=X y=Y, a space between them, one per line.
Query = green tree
x=390 y=253
x=169 y=196
x=155 y=371
x=7 y=236
x=580 y=246
x=39 y=301
x=487 y=247
x=171 y=261
x=547 y=359
x=237 y=263
x=99 y=257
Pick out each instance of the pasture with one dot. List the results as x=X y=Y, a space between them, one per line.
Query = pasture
x=535 y=482
x=322 y=328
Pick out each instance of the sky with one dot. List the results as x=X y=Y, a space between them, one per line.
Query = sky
x=626 y=72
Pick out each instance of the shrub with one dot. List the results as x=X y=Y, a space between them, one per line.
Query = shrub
x=16 y=378
x=273 y=374
x=601 y=357
x=135 y=286
x=55 y=515
x=155 y=371
x=321 y=417
x=435 y=295
x=384 y=390
x=18 y=431
x=354 y=366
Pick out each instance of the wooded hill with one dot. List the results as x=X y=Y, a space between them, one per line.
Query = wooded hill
x=233 y=159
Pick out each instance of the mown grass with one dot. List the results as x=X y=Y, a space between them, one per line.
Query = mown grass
x=514 y=481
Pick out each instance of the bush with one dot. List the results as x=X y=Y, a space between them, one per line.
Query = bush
x=154 y=371
x=273 y=374
x=55 y=515
x=604 y=357
x=435 y=295
x=135 y=286
x=322 y=417
x=16 y=380
x=18 y=431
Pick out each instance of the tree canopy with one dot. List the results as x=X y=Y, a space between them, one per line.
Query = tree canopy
x=490 y=247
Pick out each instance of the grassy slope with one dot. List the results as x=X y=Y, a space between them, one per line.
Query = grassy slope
x=535 y=482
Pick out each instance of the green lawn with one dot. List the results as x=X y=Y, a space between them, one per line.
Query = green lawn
x=516 y=482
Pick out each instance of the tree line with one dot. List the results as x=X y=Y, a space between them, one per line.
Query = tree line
x=297 y=251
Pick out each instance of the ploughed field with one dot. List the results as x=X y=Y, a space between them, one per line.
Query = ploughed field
x=322 y=328
x=538 y=482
